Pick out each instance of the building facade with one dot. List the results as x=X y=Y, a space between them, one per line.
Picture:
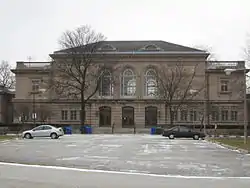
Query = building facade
x=129 y=102
x=6 y=107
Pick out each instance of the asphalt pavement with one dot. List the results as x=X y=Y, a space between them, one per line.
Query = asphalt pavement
x=49 y=177
x=130 y=153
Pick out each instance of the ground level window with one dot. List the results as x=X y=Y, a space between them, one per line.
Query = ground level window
x=64 y=115
x=183 y=115
x=150 y=116
x=73 y=115
x=128 y=116
x=224 y=115
x=105 y=116
x=234 y=115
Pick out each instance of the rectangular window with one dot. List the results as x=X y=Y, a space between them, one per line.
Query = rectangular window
x=234 y=115
x=224 y=85
x=184 y=115
x=224 y=115
x=175 y=115
x=35 y=85
x=215 y=116
x=64 y=114
x=193 y=115
x=73 y=115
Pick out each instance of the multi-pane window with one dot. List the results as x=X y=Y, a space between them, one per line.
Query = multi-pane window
x=183 y=115
x=128 y=83
x=73 y=115
x=215 y=115
x=175 y=114
x=35 y=85
x=193 y=115
x=234 y=115
x=64 y=115
x=150 y=83
x=224 y=115
x=106 y=87
x=224 y=85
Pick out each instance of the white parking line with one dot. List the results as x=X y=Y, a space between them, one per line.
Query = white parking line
x=122 y=173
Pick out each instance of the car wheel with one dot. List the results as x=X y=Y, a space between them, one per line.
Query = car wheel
x=196 y=137
x=27 y=136
x=171 y=136
x=53 y=136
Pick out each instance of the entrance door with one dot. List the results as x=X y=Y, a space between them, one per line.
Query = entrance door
x=150 y=116
x=128 y=116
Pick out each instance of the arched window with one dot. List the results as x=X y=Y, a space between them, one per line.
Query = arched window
x=104 y=116
x=150 y=83
x=128 y=83
x=128 y=116
x=151 y=116
x=106 y=87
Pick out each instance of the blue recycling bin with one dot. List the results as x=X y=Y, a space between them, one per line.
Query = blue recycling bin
x=153 y=130
x=68 y=130
x=86 y=129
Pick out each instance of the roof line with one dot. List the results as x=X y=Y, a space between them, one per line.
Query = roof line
x=140 y=52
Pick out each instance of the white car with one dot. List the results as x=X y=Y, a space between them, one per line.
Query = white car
x=43 y=131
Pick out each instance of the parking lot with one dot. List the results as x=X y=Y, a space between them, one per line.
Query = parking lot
x=129 y=153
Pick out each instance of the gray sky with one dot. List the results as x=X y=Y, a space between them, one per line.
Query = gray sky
x=32 y=27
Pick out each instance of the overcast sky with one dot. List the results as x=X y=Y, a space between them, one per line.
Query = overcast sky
x=32 y=27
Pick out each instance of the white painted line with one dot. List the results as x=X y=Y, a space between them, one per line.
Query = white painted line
x=122 y=173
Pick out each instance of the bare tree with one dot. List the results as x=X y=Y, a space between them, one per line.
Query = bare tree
x=7 y=78
x=77 y=75
x=208 y=49
x=44 y=113
x=22 y=111
x=177 y=87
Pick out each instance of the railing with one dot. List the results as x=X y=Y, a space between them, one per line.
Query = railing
x=33 y=65
x=225 y=64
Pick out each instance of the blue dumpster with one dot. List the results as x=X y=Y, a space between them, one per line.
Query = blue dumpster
x=153 y=130
x=68 y=130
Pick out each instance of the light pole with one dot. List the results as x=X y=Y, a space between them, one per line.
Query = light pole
x=228 y=72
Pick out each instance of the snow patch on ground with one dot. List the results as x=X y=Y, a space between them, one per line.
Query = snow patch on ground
x=100 y=157
x=191 y=166
x=110 y=145
x=69 y=159
x=71 y=145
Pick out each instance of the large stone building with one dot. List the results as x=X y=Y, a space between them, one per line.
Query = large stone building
x=6 y=107
x=129 y=103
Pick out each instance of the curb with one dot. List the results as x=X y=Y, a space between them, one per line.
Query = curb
x=240 y=150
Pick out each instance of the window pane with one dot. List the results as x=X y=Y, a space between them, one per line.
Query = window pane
x=184 y=115
x=184 y=129
x=150 y=83
x=128 y=83
x=224 y=115
x=73 y=115
x=106 y=85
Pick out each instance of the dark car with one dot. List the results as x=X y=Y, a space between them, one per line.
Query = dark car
x=183 y=132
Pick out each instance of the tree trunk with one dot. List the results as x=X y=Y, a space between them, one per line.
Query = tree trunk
x=171 y=115
x=82 y=112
